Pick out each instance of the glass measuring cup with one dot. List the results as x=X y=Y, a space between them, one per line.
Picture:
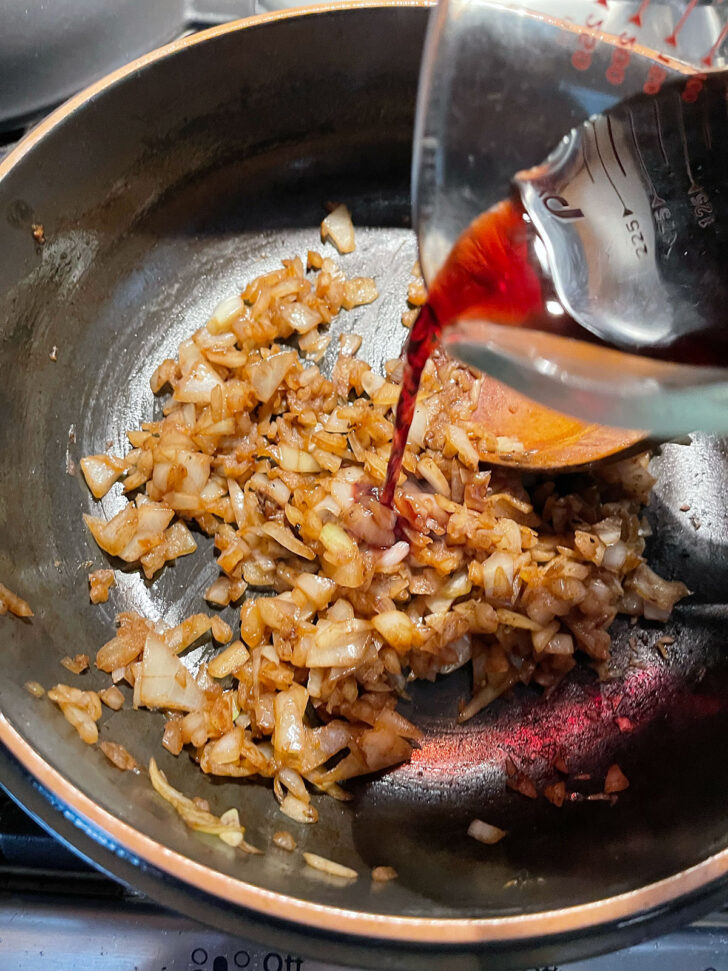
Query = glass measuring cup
x=500 y=84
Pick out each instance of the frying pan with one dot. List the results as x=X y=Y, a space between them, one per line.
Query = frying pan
x=160 y=190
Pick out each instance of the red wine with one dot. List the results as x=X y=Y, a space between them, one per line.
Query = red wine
x=422 y=340
x=488 y=273
x=491 y=274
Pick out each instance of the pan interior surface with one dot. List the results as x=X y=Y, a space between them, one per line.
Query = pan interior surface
x=159 y=197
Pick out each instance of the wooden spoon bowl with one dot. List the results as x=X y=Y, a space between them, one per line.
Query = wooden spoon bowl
x=551 y=441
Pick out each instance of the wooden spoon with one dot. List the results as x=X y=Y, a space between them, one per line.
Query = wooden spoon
x=552 y=441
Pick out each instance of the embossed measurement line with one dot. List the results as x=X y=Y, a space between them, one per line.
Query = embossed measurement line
x=586 y=161
x=656 y=200
x=694 y=187
x=658 y=129
x=626 y=211
x=614 y=147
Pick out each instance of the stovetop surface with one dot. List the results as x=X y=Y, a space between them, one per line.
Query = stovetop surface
x=59 y=913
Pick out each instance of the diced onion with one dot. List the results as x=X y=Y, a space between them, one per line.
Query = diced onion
x=10 y=601
x=287 y=540
x=278 y=465
x=329 y=867
x=301 y=318
x=100 y=582
x=459 y=443
x=319 y=590
x=498 y=573
x=119 y=756
x=76 y=664
x=197 y=385
x=224 y=314
x=336 y=542
x=616 y=780
x=221 y=631
x=112 y=697
x=284 y=841
x=359 y=290
x=609 y=530
x=383 y=874
x=298 y=811
x=267 y=376
x=338 y=644
x=294 y=460
x=397 y=629
x=233 y=657
x=615 y=556
x=560 y=644
x=218 y=592
x=485 y=832
x=101 y=472
x=164 y=681
x=389 y=558
x=339 y=228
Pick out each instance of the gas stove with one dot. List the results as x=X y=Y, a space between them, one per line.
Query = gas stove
x=57 y=912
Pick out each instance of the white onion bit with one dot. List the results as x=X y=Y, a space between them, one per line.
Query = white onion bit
x=485 y=832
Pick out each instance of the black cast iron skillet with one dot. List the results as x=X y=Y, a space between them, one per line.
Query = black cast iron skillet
x=160 y=190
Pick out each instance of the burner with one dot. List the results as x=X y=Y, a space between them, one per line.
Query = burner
x=57 y=912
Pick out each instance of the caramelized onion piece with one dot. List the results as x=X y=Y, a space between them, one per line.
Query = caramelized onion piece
x=10 y=601
x=329 y=867
x=339 y=228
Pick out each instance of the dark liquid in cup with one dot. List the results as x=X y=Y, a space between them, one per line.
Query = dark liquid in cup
x=487 y=274
x=491 y=274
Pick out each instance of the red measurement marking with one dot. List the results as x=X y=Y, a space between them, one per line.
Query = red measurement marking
x=582 y=57
x=637 y=19
x=656 y=77
x=487 y=275
x=620 y=60
x=672 y=39
x=708 y=59
x=693 y=86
